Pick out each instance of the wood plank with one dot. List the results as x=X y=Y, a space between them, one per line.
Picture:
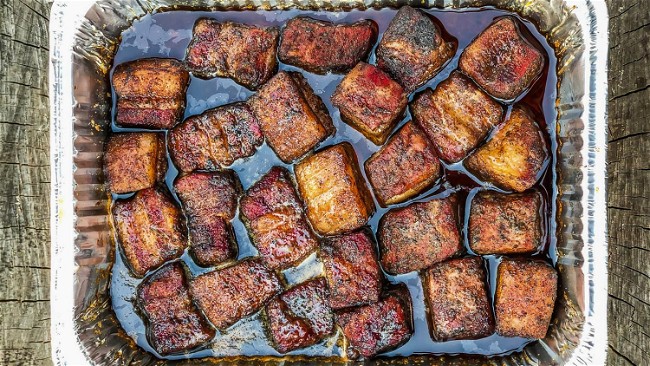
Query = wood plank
x=24 y=193
x=629 y=183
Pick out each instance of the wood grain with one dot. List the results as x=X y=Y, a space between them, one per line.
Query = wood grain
x=629 y=183
x=24 y=192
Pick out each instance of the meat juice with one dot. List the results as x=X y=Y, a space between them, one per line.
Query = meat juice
x=168 y=34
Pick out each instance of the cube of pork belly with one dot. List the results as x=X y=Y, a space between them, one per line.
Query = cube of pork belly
x=456 y=116
x=244 y=53
x=215 y=138
x=134 y=161
x=230 y=294
x=419 y=235
x=353 y=274
x=209 y=201
x=212 y=242
x=525 y=298
x=320 y=46
x=293 y=119
x=378 y=327
x=458 y=300
x=174 y=322
x=505 y=223
x=514 y=156
x=334 y=191
x=275 y=218
x=150 y=229
x=413 y=49
x=404 y=167
x=502 y=61
x=150 y=92
x=370 y=101
x=209 y=194
x=300 y=316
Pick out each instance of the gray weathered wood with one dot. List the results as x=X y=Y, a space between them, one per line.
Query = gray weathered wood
x=24 y=191
x=629 y=183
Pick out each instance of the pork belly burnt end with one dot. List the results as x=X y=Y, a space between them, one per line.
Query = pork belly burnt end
x=370 y=101
x=320 y=46
x=501 y=60
x=134 y=161
x=244 y=53
x=150 y=229
x=419 y=235
x=404 y=167
x=150 y=92
x=210 y=201
x=334 y=191
x=505 y=223
x=300 y=316
x=174 y=323
x=275 y=218
x=353 y=274
x=215 y=138
x=413 y=49
x=456 y=116
x=458 y=300
x=293 y=119
x=378 y=327
x=230 y=294
x=514 y=156
x=525 y=297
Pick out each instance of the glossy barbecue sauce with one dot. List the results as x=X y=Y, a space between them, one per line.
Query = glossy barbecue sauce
x=168 y=34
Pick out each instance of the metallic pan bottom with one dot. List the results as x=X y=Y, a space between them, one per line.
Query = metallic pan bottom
x=83 y=39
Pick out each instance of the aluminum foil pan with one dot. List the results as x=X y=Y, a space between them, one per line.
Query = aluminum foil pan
x=83 y=39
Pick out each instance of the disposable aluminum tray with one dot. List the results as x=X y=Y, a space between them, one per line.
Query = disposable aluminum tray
x=83 y=39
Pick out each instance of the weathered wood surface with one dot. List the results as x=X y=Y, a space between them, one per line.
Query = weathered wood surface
x=24 y=191
x=629 y=183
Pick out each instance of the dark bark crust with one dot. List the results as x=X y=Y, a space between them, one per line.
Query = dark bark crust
x=24 y=192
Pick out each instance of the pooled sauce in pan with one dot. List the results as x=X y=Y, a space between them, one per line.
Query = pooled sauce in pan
x=168 y=34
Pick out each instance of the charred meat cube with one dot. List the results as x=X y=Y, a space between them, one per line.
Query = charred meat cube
x=413 y=49
x=230 y=294
x=174 y=322
x=320 y=46
x=150 y=229
x=456 y=116
x=300 y=316
x=275 y=218
x=293 y=119
x=515 y=155
x=525 y=297
x=134 y=161
x=501 y=60
x=209 y=194
x=215 y=138
x=505 y=223
x=334 y=191
x=151 y=92
x=212 y=242
x=458 y=300
x=244 y=53
x=419 y=235
x=210 y=201
x=378 y=327
x=353 y=274
x=404 y=167
x=370 y=101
